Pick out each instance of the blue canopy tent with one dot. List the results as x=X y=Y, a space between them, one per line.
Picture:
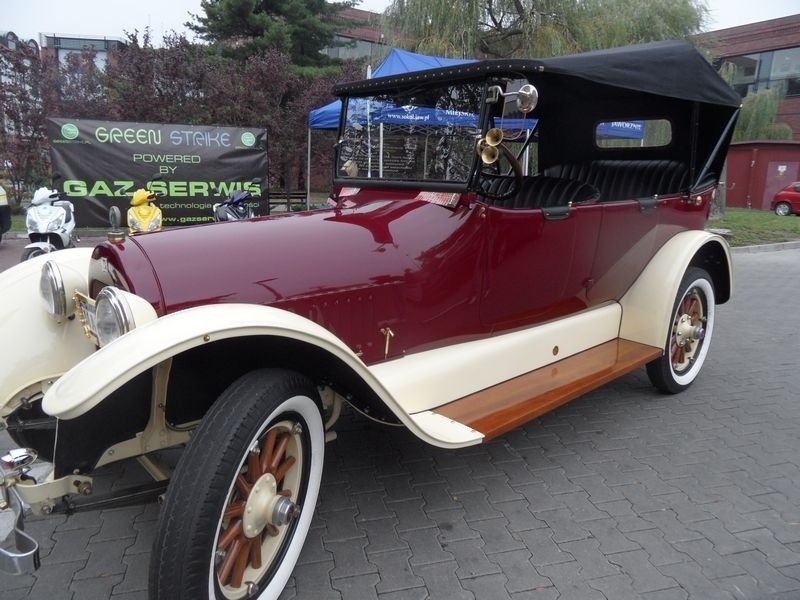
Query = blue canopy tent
x=396 y=62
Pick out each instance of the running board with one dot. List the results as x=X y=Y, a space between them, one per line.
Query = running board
x=502 y=407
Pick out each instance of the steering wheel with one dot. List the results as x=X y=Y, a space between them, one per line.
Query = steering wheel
x=489 y=181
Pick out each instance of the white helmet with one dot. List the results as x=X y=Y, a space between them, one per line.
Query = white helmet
x=43 y=195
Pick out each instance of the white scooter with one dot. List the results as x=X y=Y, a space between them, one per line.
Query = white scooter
x=50 y=222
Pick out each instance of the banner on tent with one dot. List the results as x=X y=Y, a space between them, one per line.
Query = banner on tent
x=103 y=162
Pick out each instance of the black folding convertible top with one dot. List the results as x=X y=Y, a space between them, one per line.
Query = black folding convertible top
x=671 y=68
x=662 y=80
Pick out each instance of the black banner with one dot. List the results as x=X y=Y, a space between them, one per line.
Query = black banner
x=102 y=163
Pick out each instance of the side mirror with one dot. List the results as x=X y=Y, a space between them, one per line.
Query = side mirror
x=527 y=98
x=114 y=217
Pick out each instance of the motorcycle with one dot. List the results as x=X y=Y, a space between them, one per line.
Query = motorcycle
x=50 y=222
x=237 y=206
x=143 y=215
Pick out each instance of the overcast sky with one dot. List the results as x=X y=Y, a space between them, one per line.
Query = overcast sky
x=111 y=18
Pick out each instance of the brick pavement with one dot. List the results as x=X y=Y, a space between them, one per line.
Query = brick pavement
x=623 y=493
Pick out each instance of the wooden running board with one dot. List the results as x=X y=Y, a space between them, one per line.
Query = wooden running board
x=503 y=407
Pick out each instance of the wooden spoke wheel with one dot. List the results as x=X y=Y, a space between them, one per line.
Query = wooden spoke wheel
x=240 y=505
x=689 y=334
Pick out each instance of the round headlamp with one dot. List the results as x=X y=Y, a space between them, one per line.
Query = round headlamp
x=113 y=315
x=51 y=289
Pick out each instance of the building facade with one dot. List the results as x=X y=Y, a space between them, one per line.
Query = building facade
x=764 y=55
x=360 y=36
x=756 y=170
x=59 y=46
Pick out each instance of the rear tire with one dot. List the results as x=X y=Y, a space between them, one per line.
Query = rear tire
x=689 y=334
x=221 y=534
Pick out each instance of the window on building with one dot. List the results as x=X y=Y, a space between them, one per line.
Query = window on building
x=746 y=70
x=786 y=67
x=767 y=70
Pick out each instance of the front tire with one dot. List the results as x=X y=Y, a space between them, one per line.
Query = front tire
x=782 y=209
x=240 y=504
x=30 y=253
x=689 y=334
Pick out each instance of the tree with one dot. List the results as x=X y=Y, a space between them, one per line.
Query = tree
x=300 y=28
x=82 y=89
x=757 y=117
x=181 y=72
x=531 y=28
x=28 y=95
x=610 y=23
x=311 y=92
x=130 y=74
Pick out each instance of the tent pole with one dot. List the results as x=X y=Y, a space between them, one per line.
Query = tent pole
x=308 y=171
x=527 y=151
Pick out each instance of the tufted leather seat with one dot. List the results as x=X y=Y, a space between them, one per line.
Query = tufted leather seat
x=627 y=179
x=541 y=192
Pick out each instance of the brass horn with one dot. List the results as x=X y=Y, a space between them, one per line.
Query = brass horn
x=488 y=154
x=488 y=146
x=494 y=136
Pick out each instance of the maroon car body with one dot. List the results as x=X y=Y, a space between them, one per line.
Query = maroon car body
x=435 y=274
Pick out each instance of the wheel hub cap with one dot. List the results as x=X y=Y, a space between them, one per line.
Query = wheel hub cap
x=264 y=505
x=686 y=331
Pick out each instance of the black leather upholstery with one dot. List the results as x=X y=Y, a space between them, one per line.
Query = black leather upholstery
x=627 y=179
x=541 y=192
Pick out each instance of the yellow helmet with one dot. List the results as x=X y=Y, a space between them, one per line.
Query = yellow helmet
x=141 y=196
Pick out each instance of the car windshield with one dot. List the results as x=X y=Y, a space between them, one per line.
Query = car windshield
x=422 y=134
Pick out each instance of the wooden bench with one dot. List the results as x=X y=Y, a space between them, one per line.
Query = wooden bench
x=282 y=200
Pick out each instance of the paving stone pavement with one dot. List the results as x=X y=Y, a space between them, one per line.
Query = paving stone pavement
x=624 y=493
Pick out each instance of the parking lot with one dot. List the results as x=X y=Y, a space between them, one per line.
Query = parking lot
x=624 y=493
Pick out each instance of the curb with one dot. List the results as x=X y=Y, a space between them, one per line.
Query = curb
x=766 y=248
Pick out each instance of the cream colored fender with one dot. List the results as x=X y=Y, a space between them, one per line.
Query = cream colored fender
x=37 y=349
x=647 y=305
x=88 y=383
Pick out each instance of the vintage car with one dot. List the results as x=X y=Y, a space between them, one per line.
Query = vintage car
x=502 y=237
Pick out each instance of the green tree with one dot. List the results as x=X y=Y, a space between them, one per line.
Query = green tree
x=299 y=28
x=530 y=28
x=29 y=88
x=610 y=23
x=757 y=117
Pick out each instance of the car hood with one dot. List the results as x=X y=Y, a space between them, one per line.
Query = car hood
x=275 y=260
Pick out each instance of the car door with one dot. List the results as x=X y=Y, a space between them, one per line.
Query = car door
x=536 y=264
x=627 y=239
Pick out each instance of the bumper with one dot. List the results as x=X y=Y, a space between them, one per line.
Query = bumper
x=20 y=552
